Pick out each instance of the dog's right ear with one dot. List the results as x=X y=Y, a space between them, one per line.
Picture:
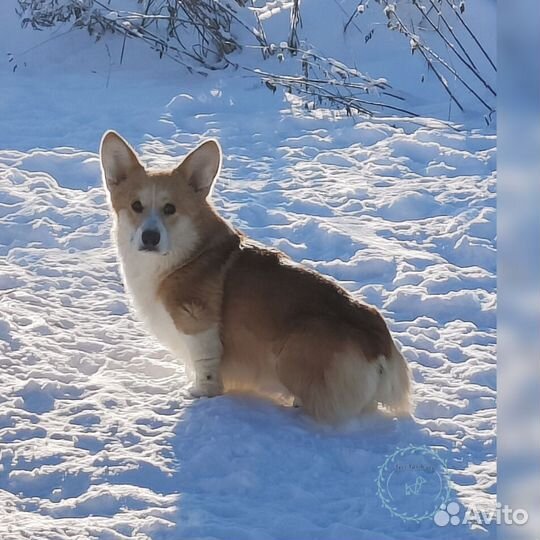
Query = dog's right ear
x=118 y=159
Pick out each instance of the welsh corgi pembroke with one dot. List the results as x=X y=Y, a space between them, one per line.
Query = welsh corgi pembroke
x=242 y=317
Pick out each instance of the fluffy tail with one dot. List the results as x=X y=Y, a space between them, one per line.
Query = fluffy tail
x=394 y=389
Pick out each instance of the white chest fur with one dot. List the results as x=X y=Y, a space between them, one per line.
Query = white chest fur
x=142 y=281
x=142 y=273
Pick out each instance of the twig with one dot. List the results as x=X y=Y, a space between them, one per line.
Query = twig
x=56 y=36
x=452 y=47
x=319 y=85
x=293 y=40
x=451 y=30
x=110 y=64
x=458 y=14
x=351 y=18
x=426 y=50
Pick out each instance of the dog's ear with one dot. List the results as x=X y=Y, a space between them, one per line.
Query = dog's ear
x=201 y=167
x=118 y=159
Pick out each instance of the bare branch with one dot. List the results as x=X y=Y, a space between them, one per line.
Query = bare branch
x=471 y=33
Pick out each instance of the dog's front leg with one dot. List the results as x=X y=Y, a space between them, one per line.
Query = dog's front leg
x=205 y=349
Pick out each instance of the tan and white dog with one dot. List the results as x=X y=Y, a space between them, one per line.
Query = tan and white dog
x=241 y=316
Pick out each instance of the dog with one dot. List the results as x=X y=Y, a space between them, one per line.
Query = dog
x=241 y=316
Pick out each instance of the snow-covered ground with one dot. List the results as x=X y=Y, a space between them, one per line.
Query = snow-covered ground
x=96 y=437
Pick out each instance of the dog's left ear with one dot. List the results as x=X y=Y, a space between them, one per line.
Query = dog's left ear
x=201 y=167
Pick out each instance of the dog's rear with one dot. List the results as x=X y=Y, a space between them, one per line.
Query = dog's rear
x=334 y=354
x=335 y=380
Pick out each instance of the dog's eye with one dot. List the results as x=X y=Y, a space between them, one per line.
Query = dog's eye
x=169 y=209
x=137 y=207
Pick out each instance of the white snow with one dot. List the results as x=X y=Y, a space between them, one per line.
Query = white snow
x=97 y=436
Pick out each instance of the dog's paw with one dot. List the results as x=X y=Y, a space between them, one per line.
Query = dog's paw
x=205 y=389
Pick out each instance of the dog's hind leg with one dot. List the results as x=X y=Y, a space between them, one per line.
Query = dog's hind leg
x=330 y=377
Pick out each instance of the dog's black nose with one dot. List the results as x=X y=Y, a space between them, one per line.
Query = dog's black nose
x=150 y=238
